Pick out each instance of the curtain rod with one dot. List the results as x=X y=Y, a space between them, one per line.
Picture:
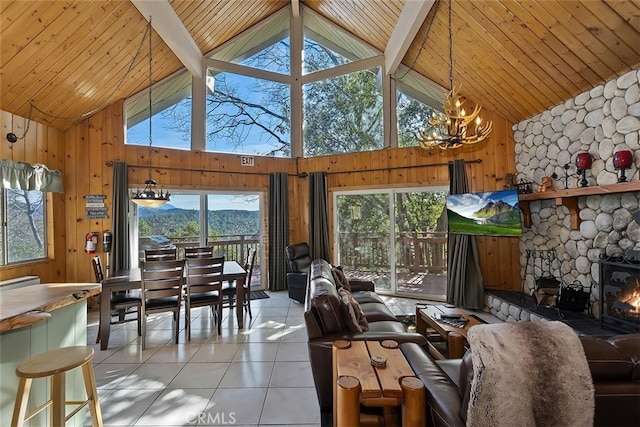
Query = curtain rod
x=299 y=175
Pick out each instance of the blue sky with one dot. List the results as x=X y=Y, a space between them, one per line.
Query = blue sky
x=217 y=202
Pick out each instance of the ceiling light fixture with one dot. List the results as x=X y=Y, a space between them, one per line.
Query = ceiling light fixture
x=455 y=128
x=150 y=196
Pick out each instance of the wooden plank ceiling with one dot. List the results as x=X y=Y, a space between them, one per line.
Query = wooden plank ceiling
x=516 y=58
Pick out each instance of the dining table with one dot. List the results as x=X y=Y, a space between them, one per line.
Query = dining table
x=127 y=280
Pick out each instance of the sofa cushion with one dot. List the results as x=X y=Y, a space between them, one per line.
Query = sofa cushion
x=607 y=363
x=327 y=305
x=387 y=326
x=321 y=268
x=353 y=315
x=628 y=344
x=375 y=312
x=340 y=278
x=367 y=296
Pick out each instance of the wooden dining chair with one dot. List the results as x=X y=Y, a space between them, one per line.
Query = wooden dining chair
x=162 y=283
x=121 y=302
x=160 y=254
x=204 y=288
x=199 y=252
x=229 y=288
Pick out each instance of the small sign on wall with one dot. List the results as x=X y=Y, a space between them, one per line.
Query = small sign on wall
x=94 y=206
x=247 y=161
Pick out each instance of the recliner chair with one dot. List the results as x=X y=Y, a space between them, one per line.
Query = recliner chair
x=298 y=262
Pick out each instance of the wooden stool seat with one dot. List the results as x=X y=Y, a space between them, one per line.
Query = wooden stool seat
x=54 y=361
x=55 y=364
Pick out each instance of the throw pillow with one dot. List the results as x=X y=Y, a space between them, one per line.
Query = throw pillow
x=340 y=278
x=353 y=312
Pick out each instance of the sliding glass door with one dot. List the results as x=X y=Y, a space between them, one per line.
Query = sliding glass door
x=396 y=238
x=230 y=222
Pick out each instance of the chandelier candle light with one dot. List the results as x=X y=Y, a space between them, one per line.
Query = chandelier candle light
x=150 y=196
x=456 y=128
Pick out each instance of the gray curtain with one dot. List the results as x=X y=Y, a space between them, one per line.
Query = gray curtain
x=464 y=278
x=120 y=250
x=278 y=229
x=318 y=224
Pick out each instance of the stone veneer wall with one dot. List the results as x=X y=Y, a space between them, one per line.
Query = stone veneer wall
x=600 y=121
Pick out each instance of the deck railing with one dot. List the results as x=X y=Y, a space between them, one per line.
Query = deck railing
x=232 y=247
x=416 y=252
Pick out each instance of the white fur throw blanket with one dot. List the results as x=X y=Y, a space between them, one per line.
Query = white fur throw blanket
x=529 y=374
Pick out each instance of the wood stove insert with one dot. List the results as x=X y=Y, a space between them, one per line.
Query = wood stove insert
x=620 y=291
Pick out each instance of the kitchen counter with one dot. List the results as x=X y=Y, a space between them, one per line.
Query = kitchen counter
x=31 y=304
x=38 y=318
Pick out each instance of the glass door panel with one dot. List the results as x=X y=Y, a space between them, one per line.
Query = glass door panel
x=363 y=241
x=420 y=244
x=234 y=225
x=171 y=225
x=416 y=263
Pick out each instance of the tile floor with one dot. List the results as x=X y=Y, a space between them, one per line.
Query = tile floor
x=258 y=376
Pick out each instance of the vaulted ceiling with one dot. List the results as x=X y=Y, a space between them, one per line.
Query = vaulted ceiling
x=516 y=58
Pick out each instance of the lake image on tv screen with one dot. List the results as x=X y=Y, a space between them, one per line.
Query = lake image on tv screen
x=494 y=213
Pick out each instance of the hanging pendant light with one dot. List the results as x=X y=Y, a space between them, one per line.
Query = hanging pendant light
x=455 y=128
x=150 y=196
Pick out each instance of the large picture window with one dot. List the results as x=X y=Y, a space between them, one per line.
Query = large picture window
x=343 y=114
x=172 y=115
x=287 y=88
x=23 y=217
x=248 y=115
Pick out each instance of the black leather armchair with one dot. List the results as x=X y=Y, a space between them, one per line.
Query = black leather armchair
x=298 y=261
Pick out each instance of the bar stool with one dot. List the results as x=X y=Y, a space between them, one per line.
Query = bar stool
x=55 y=364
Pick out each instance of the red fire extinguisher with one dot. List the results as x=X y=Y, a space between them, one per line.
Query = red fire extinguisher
x=91 y=242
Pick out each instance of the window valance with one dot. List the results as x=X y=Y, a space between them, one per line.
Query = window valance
x=25 y=176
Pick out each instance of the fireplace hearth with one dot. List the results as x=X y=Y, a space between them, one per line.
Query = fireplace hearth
x=620 y=291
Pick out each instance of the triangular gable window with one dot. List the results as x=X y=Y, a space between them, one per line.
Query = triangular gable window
x=327 y=46
x=265 y=46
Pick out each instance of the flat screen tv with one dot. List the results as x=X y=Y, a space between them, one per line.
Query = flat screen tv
x=495 y=213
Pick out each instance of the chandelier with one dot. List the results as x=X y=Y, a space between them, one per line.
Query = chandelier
x=455 y=128
x=150 y=196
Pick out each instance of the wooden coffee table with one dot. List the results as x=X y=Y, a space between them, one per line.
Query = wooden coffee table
x=356 y=381
x=429 y=317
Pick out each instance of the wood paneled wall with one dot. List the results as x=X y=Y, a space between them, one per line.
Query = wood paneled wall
x=45 y=145
x=90 y=148
x=414 y=167
x=93 y=145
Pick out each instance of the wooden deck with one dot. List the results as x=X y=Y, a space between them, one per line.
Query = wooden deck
x=415 y=284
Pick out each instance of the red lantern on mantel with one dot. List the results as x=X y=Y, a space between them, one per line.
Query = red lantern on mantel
x=622 y=159
x=583 y=162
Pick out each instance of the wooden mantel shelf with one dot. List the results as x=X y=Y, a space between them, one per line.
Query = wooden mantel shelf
x=569 y=198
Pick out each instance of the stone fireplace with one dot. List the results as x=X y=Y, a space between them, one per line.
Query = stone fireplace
x=600 y=121
x=620 y=291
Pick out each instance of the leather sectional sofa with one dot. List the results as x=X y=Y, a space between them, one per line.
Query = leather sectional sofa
x=614 y=362
x=327 y=322
x=615 y=371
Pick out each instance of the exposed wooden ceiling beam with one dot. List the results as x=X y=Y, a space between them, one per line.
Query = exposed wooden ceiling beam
x=295 y=7
x=169 y=26
x=411 y=19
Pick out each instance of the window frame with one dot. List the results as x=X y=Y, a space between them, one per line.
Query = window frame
x=47 y=232
x=404 y=79
x=203 y=211
x=391 y=194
